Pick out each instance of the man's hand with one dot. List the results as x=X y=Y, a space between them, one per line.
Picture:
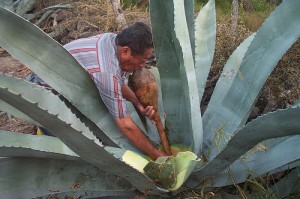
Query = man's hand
x=137 y=137
x=159 y=154
x=148 y=111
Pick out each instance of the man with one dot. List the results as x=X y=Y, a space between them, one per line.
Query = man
x=108 y=58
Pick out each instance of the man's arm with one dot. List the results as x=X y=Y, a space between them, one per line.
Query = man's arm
x=129 y=95
x=137 y=137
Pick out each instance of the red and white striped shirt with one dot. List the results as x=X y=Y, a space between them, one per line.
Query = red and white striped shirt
x=99 y=56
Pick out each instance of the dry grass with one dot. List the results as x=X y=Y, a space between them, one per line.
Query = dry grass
x=252 y=20
x=87 y=18
x=281 y=89
x=226 y=43
x=284 y=81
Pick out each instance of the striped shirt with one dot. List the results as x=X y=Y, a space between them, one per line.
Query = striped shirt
x=98 y=55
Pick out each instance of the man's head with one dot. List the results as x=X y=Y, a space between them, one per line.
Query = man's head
x=135 y=46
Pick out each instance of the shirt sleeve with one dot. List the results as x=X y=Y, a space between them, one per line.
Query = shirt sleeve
x=109 y=87
x=125 y=76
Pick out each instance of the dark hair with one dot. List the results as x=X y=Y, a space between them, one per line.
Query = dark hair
x=137 y=37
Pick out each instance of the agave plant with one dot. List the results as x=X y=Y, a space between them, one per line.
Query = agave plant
x=89 y=157
x=24 y=7
x=19 y=7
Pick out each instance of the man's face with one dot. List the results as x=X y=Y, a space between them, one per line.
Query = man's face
x=131 y=62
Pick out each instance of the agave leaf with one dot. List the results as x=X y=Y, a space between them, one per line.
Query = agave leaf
x=205 y=44
x=24 y=6
x=135 y=160
x=286 y=167
x=16 y=113
x=185 y=163
x=297 y=101
x=27 y=43
x=212 y=113
x=66 y=127
x=136 y=118
x=45 y=99
x=8 y=4
x=289 y=185
x=58 y=6
x=45 y=12
x=170 y=172
x=176 y=66
x=269 y=144
x=38 y=177
x=226 y=78
x=24 y=145
x=162 y=171
x=190 y=20
x=271 y=41
x=260 y=162
x=168 y=64
x=276 y=124
x=187 y=71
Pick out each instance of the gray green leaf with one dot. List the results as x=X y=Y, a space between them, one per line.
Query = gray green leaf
x=271 y=41
x=51 y=62
x=75 y=135
x=23 y=145
x=276 y=124
x=205 y=43
x=176 y=67
x=39 y=177
x=261 y=162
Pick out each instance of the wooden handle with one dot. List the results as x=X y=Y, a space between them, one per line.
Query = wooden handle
x=162 y=135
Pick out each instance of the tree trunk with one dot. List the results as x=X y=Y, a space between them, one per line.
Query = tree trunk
x=235 y=13
x=120 y=19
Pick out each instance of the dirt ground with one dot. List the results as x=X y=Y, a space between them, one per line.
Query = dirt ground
x=15 y=68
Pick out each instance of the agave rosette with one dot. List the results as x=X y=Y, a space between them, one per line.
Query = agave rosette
x=89 y=151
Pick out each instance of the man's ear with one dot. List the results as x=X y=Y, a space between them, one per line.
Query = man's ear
x=125 y=52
